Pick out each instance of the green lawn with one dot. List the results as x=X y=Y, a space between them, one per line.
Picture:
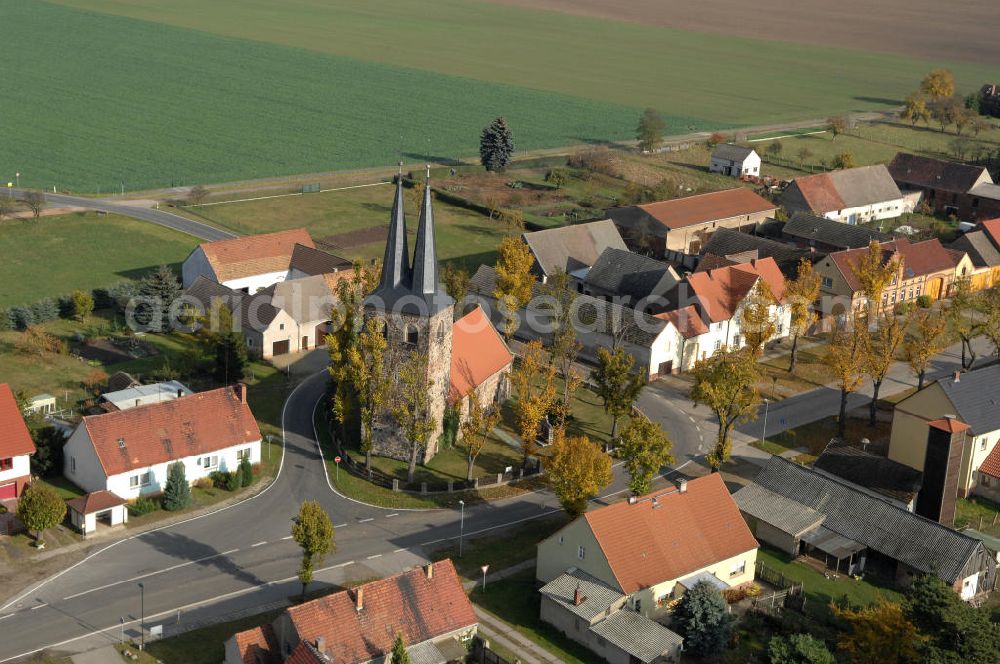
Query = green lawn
x=815 y=436
x=516 y=600
x=979 y=514
x=202 y=646
x=57 y=255
x=819 y=590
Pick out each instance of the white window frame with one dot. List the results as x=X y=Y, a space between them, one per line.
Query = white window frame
x=245 y=453
x=209 y=462
x=738 y=569
x=140 y=480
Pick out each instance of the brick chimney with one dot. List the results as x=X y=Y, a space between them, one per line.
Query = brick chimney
x=682 y=486
x=359 y=598
x=321 y=644
x=430 y=571
x=942 y=466
x=578 y=597
x=956 y=377
x=241 y=392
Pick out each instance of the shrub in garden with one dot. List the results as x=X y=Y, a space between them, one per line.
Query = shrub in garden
x=177 y=492
x=141 y=506
x=205 y=483
x=246 y=472
x=233 y=481
x=924 y=301
x=220 y=480
x=20 y=318
x=45 y=310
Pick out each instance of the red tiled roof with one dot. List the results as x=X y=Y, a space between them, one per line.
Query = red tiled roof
x=684 y=533
x=720 y=291
x=418 y=607
x=254 y=254
x=992 y=228
x=820 y=193
x=96 y=501
x=920 y=259
x=949 y=424
x=687 y=321
x=304 y=654
x=14 y=437
x=991 y=464
x=477 y=352
x=258 y=645
x=701 y=208
x=169 y=430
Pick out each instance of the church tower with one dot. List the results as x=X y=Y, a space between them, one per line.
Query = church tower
x=417 y=315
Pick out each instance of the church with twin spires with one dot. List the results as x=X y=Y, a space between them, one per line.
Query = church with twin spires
x=419 y=316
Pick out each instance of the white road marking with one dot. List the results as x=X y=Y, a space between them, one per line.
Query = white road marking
x=690 y=418
x=6 y=616
x=342 y=525
x=389 y=516
x=349 y=562
x=396 y=551
x=286 y=538
x=39 y=606
x=377 y=555
x=254 y=546
x=366 y=520
x=144 y=576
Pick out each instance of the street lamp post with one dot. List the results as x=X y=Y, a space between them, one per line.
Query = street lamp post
x=17 y=178
x=484 y=568
x=461 y=528
x=122 y=622
x=142 y=616
x=763 y=431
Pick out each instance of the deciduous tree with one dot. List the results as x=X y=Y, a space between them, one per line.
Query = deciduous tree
x=177 y=491
x=564 y=347
x=837 y=124
x=411 y=407
x=649 y=132
x=938 y=83
x=844 y=160
x=962 y=319
x=879 y=347
x=702 y=619
x=8 y=205
x=496 y=146
x=456 y=284
x=846 y=358
x=756 y=320
x=926 y=336
x=726 y=382
x=874 y=271
x=83 y=304
x=515 y=280
x=915 y=109
x=533 y=380
x=988 y=305
x=370 y=376
x=801 y=294
x=313 y=532
x=577 y=470
x=878 y=634
x=946 y=110
x=476 y=428
x=35 y=201
x=40 y=508
x=645 y=448
x=197 y=195
x=798 y=649
x=616 y=383
x=804 y=154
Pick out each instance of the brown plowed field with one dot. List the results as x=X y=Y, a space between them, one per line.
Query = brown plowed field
x=937 y=29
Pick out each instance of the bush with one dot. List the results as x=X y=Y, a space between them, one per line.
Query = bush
x=557 y=176
x=20 y=318
x=219 y=479
x=246 y=472
x=903 y=308
x=141 y=506
x=45 y=310
x=204 y=483
x=924 y=301
x=258 y=470
x=233 y=481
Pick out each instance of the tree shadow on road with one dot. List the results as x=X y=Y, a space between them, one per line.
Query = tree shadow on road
x=207 y=556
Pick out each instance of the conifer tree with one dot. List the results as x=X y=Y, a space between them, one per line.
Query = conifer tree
x=176 y=492
x=496 y=146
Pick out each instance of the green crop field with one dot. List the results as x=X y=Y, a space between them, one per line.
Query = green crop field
x=167 y=93
x=57 y=255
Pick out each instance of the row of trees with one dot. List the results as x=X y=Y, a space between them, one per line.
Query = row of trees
x=936 y=100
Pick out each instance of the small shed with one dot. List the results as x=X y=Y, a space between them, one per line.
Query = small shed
x=100 y=507
x=735 y=160
x=43 y=404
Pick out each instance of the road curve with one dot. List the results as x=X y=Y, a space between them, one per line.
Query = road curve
x=152 y=215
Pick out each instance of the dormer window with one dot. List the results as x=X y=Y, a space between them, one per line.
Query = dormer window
x=121 y=443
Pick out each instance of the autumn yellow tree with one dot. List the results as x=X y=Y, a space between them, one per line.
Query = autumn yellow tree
x=756 y=321
x=938 y=84
x=879 y=347
x=926 y=336
x=533 y=379
x=846 y=358
x=616 y=383
x=801 y=294
x=564 y=347
x=476 y=428
x=645 y=448
x=726 y=382
x=411 y=407
x=988 y=307
x=369 y=374
x=515 y=280
x=874 y=271
x=577 y=470
x=915 y=109
x=878 y=634
x=963 y=319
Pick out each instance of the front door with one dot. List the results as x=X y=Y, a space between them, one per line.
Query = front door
x=666 y=368
x=305 y=343
x=8 y=491
x=969 y=587
x=280 y=347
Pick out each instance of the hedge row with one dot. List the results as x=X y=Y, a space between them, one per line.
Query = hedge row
x=23 y=316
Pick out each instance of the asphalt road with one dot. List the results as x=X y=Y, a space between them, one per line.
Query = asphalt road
x=152 y=215
x=240 y=558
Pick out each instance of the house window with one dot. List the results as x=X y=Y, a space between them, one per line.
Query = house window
x=441 y=332
x=581 y=552
x=249 y=342
x=209 y=461
x=984 y=479
x=982 y=444
x=736 y=341
x=781 y=327
x=738 y=568
x=412 y=335
x=909 y=294
x=243 y=454
x=827 y=282
x=281 y=326
x=136 y=481
x=6 y=464
x=72 y=464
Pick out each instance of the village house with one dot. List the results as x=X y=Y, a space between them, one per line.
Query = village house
x=825 y=235
x=948 y=187
x=426 y=605
x=924 y=268
x=983 y=248
x=728 y=247
x=973 y=398
x=676 y=230
x=572 y=248
x=631 y=279
x=16 y=447
x=852 y=196
x=129 y=452
x=804 y=511
x=255 y=262
x=896 y=481
x=735 y=160
x=652 y=548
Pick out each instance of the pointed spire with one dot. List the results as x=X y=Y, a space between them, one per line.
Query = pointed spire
x=396 y=263
x=425 y=268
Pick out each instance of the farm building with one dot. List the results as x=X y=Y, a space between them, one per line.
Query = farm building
x=735 y=160
x=948 y=187
x=633 y=280
x=822 y=234
x=729 y=247
x=852 y=196
x=571 y=248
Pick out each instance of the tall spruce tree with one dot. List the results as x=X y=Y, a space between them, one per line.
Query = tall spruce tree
x=158 y=289
x=496 y=146
x=230 y=349
x=399 y=654
x=177 y=491
x=702 y=620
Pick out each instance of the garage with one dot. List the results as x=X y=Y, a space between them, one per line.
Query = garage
x=280 y=347
x=8 y=491
x=100 y=509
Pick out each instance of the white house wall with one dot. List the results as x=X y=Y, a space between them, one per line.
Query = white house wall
x=21 y=468
x=80 y=463
x=873 y=212
x=256 y=282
